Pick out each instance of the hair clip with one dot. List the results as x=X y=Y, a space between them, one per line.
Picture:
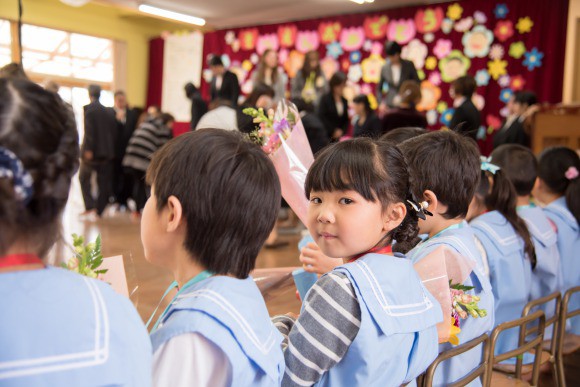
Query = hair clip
x=571 y=173
x=486 y=165
x=11 y=167
x=420 y=209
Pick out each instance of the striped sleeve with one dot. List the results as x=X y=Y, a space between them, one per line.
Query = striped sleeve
x=321 y=336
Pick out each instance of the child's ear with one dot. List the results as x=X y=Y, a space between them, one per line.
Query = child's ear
x=394 y=216
x=174 y=213
x=431 y=199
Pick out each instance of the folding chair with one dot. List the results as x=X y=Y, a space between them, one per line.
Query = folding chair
x=566 y=343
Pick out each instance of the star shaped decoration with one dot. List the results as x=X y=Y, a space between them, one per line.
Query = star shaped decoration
x=497 y=68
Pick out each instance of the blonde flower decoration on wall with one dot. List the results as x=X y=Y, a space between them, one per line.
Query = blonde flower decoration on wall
x=371 y=68
x=497 y=68
x=454 y=11
x=453 y=66
x=524 y=25
x=431 y=63
x=430 y=95
x=477 y=42
x=416 y=52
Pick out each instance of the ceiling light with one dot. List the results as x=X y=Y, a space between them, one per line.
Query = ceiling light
x=171 y=15
x=362 y=1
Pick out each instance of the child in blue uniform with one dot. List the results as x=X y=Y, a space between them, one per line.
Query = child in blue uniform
x=369 y=321
x=445 y=171
x=214 y=200
x=57 y=327
x=510 y=253
x=558 y=186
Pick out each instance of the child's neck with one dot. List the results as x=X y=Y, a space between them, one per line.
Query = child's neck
x=185 y=268
x=523 y=200
x=442 y=224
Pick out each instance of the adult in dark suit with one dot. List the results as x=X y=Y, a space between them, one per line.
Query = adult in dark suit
x=513 y=130
x=313 y=126
x=367 y=123
x=98 y=152
x=466 y=118
x=224 y=84
x=393 y=74
x=333 y=108
x=198 y=105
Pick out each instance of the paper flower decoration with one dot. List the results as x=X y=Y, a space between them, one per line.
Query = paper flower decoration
x=496 y=51
x=344 y=64
x=441 y=106
x=207 y=75
x=480 y=17
x=421 y=74
x=368 y=45
x=329 y=66
x=355 y=57
x=352 y=39
x=226 y=60
x=500 y=11
x=254 y=58
x=435 y=78
x=366 y=89
x=247 y=65
x=453 y=66
x=524 y=25
x=478 y=101
x=329 y=32
x=248 y=38
x=477 y=41
x=431 y=63
x=355 y=73
x=429 y=37
x=307 y=41
x=283 y=55
x=230 y=37
x=482 y=77
x=371 y=68
x=493 y=121
x=504 y=81
x=431 y=116
x=293 y=63
x=351 y=90
x=268 y=41
x=533 y=59
x=496 y=68
x=236 y=45
x=517 y=49
x=464 y=24
x=247 y=86
x=442 y=48
x=428 y=19
x=446 y=117
x=377 y=48
x=504 y=112
x=416 y=52
x=334 y=50
x=517 y=83
x=505 y=95
x=446 y=25
x=287 y=35
x=372 y=100
x=401 y=31
x=376 y=27
x=430 y=95
x=454 y=11
x=503 y=30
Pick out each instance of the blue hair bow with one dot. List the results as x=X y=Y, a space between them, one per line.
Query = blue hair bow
x=486 y=165
x=11 y=168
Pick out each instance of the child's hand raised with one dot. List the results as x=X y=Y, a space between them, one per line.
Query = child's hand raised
x=314 y=261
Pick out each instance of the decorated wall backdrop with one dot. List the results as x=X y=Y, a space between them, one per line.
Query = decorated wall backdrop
x=506 y=45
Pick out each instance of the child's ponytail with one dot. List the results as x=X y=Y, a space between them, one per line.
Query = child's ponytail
x=405 y=235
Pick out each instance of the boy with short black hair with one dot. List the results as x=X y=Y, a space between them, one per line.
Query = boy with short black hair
x=214 y=200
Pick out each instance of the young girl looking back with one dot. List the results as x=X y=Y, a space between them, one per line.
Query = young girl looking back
x=369 y=321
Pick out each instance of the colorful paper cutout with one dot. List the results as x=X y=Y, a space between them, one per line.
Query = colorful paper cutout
x=431 y=116
x=503 y=30
x=226 y=60
x=428 y=38
x=376 y=27
x=236 y=45
x=287 y=35
x=283 y=55
x=517 y=83
x=504 y=112
x=368 y=45
x=248 y=38
x=482 y=77
x=401 y=31
x=293 y=63
x=254 y=58
x=464 y=24
x=497 y=68
x=352 y=39
x=268 y=41
x=454 y=11
x=500 y=11
x=371 y=68
x=230 y=37
x=329 y=32
x=446 y=25
x=505 y=95
x=345 y=64
x=355 y=73
x=496 y=51
x=428 y=19
x=431 y=63
x=478 y=101
x=421 y=74
x=430 y=95
x=453 y=66
x=416 y=52
x=442 y=106
x=207 y=75
x=504 y=81
x=247 y=86
x=435 y=78
x=493 y=121
x=442 y=48
x=517 y=49
x=477 y=41
x=247 y=66
x=366 y=89
x=446 y=117
x=329 y=66
x=307 y=41
x=481 y=134
x=377 y=48
x=480 y=17
x=351 y=90
x=355 y=57
x=334 y=50
x=372 y=100
x=533 y=59
x=524 y=25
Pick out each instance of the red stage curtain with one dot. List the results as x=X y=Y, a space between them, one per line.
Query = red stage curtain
x=155 y=79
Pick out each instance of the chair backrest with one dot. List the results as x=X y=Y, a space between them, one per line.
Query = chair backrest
x=480 y=371
x=545 y=303
x=538 y=322
x=565 y=314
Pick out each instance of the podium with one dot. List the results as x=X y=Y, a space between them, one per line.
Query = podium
x=556 y=125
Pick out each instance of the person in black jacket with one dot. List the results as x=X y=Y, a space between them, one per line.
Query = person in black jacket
x=313 y=126
x=333 y=108
x=198 y=105
x=97 y=152
x=224 y=84
x=466 y=118
x=393 y=74
x=513 y=130
x=367 y=123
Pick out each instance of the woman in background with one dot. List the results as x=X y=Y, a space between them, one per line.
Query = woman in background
x=466 y=118
x=268 y=73
x=520 y=106
x=309 y=83
x=367 y=124
x=333 y=108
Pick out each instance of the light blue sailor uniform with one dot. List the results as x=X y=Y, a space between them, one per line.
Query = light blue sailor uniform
x=461 y=239
x=510 y=273
x=397 y=339
x=231 y=313
x=569 y=246
x=61 y=329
